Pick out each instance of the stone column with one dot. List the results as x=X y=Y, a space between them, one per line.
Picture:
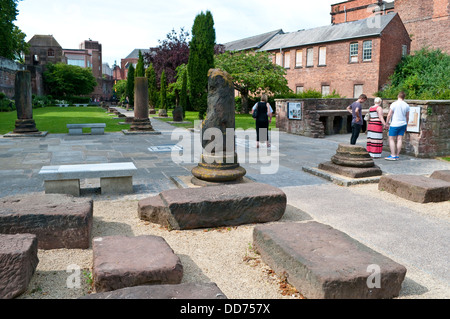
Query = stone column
x=141 y=121
x=24 y=123
x=219 y=162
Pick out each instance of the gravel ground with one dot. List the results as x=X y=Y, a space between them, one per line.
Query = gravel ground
x=221 y=255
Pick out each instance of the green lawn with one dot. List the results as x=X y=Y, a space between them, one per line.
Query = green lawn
x=54 y=119
x=243 y=121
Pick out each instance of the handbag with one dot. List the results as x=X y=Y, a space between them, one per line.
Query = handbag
x=367 y=117
x=255 y=113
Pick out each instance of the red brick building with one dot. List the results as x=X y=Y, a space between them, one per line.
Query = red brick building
x=427 y=21
x=349 y=58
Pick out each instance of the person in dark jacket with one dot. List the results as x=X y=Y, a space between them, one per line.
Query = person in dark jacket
x=263 y=119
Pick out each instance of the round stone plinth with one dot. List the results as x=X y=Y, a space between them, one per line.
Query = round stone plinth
x=25 y=126
x=218 y=169
x=141 y=125
x=352 y=156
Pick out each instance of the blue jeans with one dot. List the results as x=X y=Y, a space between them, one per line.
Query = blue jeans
x=356 y=128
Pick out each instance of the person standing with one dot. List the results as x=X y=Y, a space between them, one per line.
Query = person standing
x=263 y=119
x=397 y=120
x=375 y=129
x=356 y=109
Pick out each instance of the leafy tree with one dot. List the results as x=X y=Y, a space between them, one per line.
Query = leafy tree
x=140 y=69
x=63 y=80
x=152 y=86
x=424 y=75
x=130 y=85
x=171 y=53
x=121 y=89
x=12 y=39
x=253 y=73
x=201 y=59
x=163 y=92
x=183 y=94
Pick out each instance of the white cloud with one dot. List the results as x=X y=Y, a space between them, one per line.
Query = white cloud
x=121 y=26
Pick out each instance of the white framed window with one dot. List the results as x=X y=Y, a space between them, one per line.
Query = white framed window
x=299 y=89
x=322 y=56
x=354 y=52
x=325 y=90
x=298 y=58
x=358 y=89
x=278 y=58
x=367 y=50
x=287 y=59
x=310 y=57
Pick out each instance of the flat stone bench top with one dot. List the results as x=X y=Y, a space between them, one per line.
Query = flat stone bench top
x=86 y=125
x=325 y=263
x=416 y=188
x=77 y=171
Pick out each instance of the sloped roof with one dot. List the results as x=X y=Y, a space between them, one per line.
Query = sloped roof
x=135 y=53
x=342 y=31
x=40 y=40
x=254 y=42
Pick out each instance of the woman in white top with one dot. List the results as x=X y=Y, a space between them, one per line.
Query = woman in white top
x=263 y=119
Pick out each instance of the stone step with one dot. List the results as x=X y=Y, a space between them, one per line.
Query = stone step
x=177 y=291
x=58 y=220
x=18 y=262
x=442 y=174
x=324 y=263
x=214 y=206
x=121 y=261
x=416 y=188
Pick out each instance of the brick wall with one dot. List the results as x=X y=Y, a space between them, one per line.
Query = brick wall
x=392 y=39
x=427 y=22
x=352 y=10
x=338 y=73
x=8 y=71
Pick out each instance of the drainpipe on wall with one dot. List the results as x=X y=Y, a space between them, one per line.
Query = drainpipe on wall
x=345 y=12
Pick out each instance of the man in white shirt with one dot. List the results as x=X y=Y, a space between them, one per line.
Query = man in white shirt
x=399 y=114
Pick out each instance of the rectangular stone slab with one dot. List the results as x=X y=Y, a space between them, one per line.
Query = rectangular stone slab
x=325 y=263
x=416 y=188
x=121 y=261
x=58 y=221
x=215 y=206
x=18 y=262
x=180 y=291
x=442 y=174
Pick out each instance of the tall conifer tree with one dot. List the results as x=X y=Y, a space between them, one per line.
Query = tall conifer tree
x=201 y=59
x=130 y=85
x=152 y=86
x=140 y=69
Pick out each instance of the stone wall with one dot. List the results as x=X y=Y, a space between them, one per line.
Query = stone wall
x=8 y=71
x=433 y=138
x=321 y=117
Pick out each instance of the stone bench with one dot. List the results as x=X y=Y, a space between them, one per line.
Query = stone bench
x=442 y=174
x=18 y=262
x=96 y=128
x=121 y=261
x=324 y=263
x=58 y=220
x=115 y=178
x=214 y=206
x=416 y=188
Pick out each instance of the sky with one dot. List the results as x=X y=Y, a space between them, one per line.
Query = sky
x=124 y=25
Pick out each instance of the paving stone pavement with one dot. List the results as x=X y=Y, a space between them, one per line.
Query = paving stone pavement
x=418 y=242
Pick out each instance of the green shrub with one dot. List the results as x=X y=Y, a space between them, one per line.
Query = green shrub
x=6 y=105
x=423 y=76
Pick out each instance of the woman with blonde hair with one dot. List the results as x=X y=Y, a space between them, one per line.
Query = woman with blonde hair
x=375 y=129
x=263 y=119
